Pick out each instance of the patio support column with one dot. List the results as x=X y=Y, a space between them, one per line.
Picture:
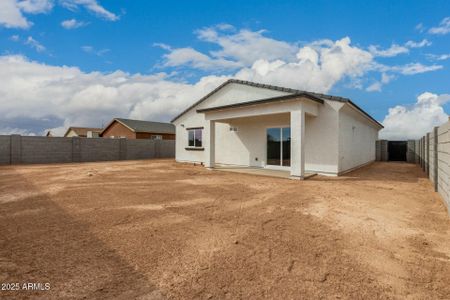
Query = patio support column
x=298 y=144
x=211 y=144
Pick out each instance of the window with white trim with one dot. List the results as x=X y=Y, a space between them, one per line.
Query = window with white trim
x=195 y=137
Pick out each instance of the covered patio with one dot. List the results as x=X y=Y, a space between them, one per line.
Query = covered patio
x=272 y=136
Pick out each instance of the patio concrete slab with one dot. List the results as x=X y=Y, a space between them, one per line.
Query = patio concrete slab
x=260 y=171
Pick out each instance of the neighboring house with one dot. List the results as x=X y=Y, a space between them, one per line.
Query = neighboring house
x=249 y=124
x=137 y=129
x=83 y=132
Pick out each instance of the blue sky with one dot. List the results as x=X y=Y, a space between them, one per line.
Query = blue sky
x=151 y=38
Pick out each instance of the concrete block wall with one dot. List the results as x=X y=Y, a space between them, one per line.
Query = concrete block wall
x=5 y=149
x=99 y=149
x=35 y=150
x=431 y=158
x=411 y=152
x=135 y=149
x=432 y=153
x=381 y=150
x=166 y=150
x=16 y=149
x=444 y=162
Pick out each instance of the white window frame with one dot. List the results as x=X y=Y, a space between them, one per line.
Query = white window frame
x=194 y=130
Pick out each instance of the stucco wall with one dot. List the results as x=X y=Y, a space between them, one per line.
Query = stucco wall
x=357 y=139
x=247 y=146
x=326 y=150
x=322 y=140
x=232 y=93
x=236 y=93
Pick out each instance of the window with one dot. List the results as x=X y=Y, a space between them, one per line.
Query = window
x=195 y=137
x=156 y=137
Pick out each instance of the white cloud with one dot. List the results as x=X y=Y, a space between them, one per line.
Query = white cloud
x=316 y=69
x=317 y=66
x=443 y=28
x=246 y=46
x=92 y=50
x=72 y=24
x=377 y=86
x=438 y=56
x=404 y=122
x=415 y=68
x=396 y=49
x=11 y=15
x=14 y=38
x=423 y=43
x=92 y=6
x=374 y=87
x=30 y=41
x=35 y=6
x=10 y=130
x=392 y=51
x=72 y=97
x=12 y=11
x=420 y=28
x=65 y=96
x=195 y=59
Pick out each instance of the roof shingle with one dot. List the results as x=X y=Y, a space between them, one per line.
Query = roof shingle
x=147 y=126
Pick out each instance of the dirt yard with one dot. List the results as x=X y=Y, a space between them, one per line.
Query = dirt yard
x=158 y=230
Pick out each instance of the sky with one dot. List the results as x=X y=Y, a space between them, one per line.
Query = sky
x=83 y=62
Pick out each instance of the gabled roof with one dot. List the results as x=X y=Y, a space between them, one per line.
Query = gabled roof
x=82 y=131
x=144 y=126
x=293 y=92
x=261 y=101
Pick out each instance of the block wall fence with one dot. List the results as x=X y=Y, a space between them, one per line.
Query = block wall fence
x=16 y=149
x=432 y=153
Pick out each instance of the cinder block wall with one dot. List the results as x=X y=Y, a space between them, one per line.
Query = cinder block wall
x=432 y=153
x=35 y=150
x=5 y=149
x=16 y=149
x=411 y=153
x=381 y=150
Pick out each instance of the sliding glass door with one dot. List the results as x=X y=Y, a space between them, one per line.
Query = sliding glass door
x=279 y=146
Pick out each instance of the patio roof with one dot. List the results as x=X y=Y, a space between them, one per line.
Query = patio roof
x=262 y=101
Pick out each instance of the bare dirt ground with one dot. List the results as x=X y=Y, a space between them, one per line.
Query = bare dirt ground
x=157 y=230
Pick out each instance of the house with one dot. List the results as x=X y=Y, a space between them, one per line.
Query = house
x=83 y=132
x=243 y=123
x=137 y=129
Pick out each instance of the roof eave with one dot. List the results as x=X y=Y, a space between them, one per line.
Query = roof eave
x=350 y=102
x=262 y=101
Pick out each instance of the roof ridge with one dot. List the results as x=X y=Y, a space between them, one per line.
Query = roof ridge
x=141 y=120
x=284 y=89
